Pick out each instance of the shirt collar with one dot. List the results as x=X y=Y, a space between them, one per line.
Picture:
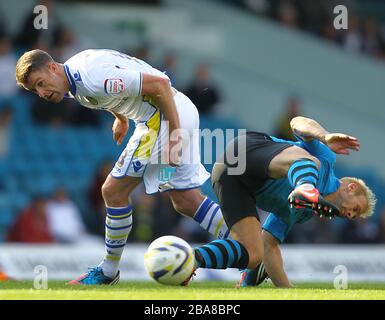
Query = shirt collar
x=70 y=80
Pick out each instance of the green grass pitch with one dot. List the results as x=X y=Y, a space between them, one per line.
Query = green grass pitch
x=57 y=290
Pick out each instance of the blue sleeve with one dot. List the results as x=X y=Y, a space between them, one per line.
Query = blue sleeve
x=275 y=139
x=318 y=149
x=276 y=227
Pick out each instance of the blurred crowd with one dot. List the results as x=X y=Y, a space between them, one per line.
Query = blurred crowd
x=365 y=33
x=55 y=217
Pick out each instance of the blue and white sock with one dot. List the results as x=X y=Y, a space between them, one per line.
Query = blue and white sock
x=118 y=227
x=209 y=216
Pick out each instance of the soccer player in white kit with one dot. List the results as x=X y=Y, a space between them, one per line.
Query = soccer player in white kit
x=130 y=88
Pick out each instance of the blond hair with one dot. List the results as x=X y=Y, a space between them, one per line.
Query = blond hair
x=29 y=62
x=367 y=192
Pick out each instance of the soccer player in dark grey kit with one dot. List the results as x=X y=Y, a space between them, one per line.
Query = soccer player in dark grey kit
x=293 y=181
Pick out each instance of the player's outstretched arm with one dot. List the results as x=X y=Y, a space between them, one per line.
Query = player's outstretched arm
x=309 y=129
x=273 y=261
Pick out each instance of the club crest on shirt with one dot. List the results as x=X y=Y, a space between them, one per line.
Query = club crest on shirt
x=113 y=86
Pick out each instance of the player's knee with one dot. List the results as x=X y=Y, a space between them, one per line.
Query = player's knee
x=295 y=153
x=178 y=206
x=300 y=153
x=110 y=192
x=182 y=206
x=106 y=190
x=314 y=159
x=186 y=202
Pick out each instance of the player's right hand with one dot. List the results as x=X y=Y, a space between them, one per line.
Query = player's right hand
x=119 y=130
x=340 y=143
x=175 y=150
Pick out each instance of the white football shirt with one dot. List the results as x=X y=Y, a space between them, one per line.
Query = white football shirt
x=110 y=80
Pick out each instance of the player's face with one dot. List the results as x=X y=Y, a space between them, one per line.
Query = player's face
x=47 y=84
x=352 y=205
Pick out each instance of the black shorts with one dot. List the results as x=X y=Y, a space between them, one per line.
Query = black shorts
x=236 y=193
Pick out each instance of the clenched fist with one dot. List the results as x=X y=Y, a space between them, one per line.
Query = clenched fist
x=119 y=129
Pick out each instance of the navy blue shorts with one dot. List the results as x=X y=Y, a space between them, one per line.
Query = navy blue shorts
x=236 y=193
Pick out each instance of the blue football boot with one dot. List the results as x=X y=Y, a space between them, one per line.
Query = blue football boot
x=95 y=276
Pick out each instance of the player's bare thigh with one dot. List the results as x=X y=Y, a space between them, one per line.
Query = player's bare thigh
x=281 y=163
x=116 y=192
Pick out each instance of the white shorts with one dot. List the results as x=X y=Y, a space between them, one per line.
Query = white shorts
x=146 y=147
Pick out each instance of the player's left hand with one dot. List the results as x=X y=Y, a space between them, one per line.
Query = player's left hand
x=340 y=143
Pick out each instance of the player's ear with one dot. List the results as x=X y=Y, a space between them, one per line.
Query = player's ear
x=352 y=187
x=52 y=66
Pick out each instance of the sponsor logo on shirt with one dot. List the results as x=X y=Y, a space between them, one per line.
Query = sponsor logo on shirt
x=113 y=86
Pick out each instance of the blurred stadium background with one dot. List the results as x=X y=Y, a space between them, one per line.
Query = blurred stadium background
x=245 y=63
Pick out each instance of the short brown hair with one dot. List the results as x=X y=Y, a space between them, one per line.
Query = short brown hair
x=367 y=192
x=29 y=62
